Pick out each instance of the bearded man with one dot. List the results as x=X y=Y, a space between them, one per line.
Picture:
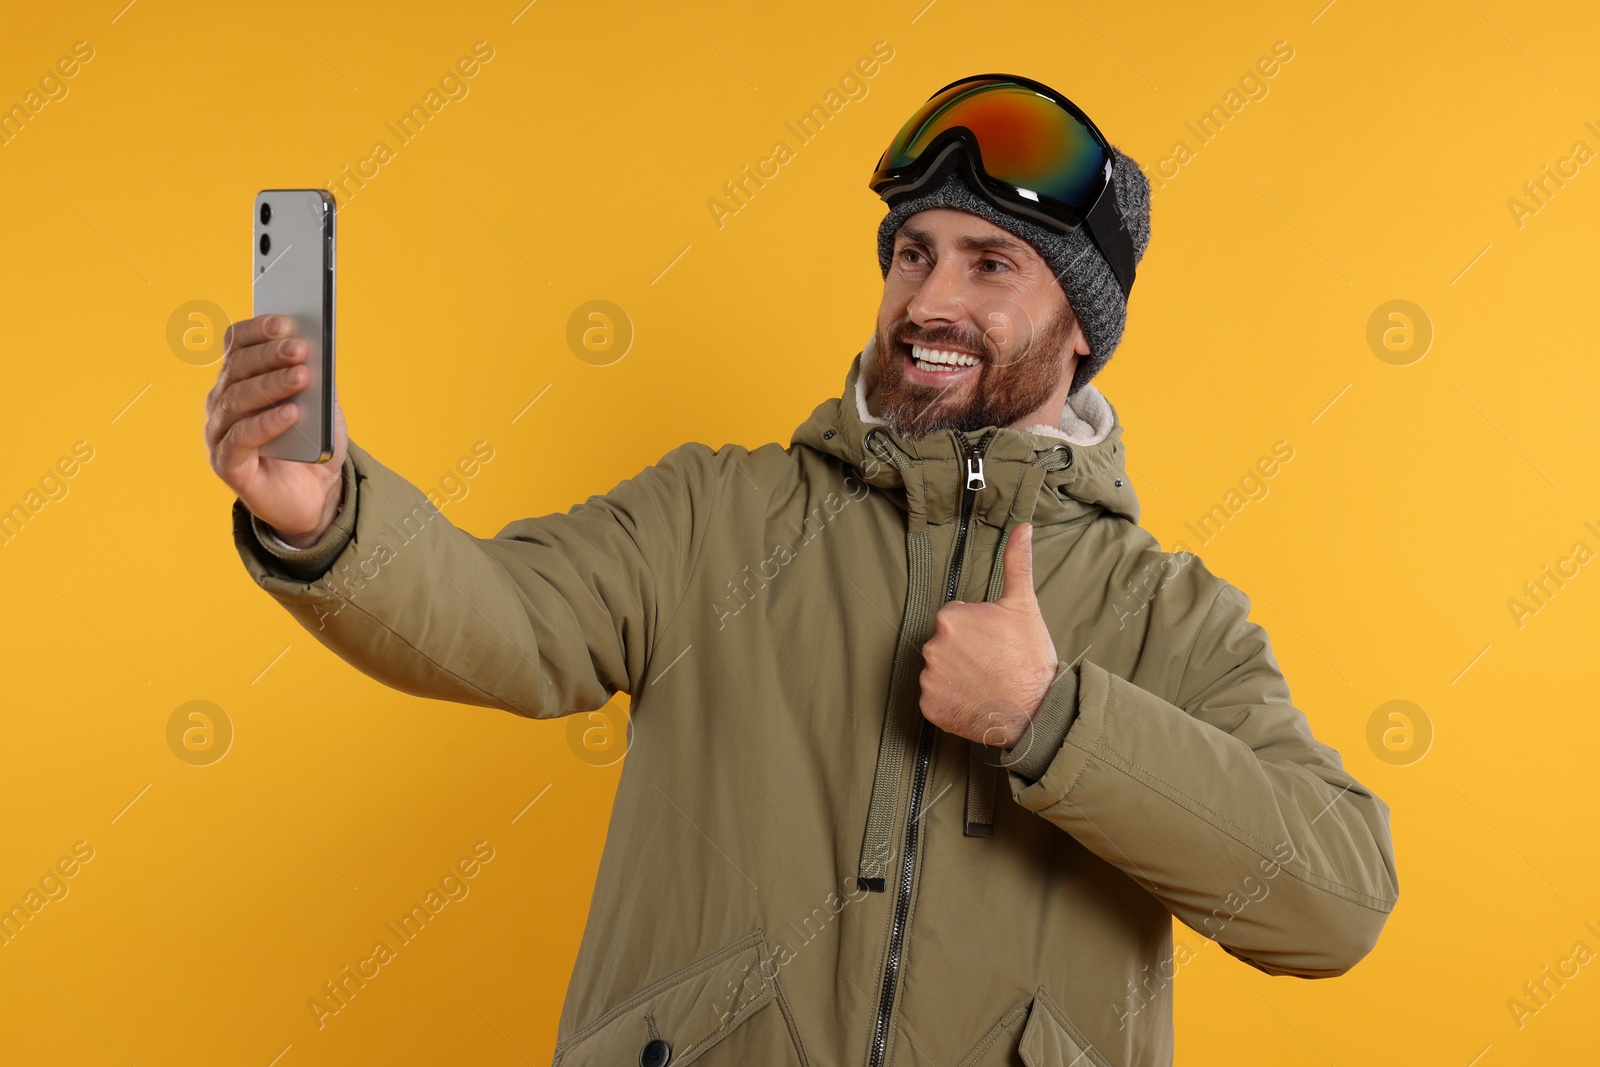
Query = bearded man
x=932 y=739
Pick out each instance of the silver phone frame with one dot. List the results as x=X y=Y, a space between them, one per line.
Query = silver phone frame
x=296 y=443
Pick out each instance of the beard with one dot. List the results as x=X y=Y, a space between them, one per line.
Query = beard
x=1004 y=390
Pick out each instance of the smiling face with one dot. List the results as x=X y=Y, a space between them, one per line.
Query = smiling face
x=974 y=330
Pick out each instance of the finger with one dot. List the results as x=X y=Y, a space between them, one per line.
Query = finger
x=248 y=362
x=258 y=344
x=247 y=435
x=930 y=668
x=1016 y=583
x=247 y=332
x=243 y=399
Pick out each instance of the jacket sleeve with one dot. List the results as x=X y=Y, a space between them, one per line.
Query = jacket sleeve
x=1224 y=806
x=1042 y=738
x=550 y=616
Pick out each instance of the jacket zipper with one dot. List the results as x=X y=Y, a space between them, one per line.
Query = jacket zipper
x=973 y=481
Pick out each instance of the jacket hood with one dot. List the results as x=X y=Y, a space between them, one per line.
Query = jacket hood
x=1089 y=432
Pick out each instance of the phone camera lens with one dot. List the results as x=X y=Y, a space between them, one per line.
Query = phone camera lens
x=266 y=244
x=266 y=212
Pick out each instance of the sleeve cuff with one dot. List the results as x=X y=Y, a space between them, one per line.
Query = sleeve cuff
x=1047 y=731
x=313 y=562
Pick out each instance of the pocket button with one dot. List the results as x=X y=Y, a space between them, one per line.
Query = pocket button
x=655 y=1053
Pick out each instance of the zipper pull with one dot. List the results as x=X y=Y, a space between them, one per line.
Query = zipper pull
x=975 y=470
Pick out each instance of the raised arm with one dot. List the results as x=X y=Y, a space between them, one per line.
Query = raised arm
x=552 y=615
x=1224 y=806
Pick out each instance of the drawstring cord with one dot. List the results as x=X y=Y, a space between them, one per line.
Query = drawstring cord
x=983 y=775
x=900 y=719
x=903 y=716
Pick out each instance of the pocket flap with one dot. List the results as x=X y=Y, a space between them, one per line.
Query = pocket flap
x=692 y=1009
x=1052 y=1040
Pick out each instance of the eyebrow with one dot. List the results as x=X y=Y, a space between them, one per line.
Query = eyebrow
x=970 y=244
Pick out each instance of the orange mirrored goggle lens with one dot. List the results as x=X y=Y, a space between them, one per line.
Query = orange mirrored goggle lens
x=1025 y=139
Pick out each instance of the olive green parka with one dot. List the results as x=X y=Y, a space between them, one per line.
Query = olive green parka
x=800 y=869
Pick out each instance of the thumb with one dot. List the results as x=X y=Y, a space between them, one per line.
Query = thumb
x=1016 y=583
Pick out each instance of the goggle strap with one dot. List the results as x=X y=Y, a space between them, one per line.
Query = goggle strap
x=1111 y=234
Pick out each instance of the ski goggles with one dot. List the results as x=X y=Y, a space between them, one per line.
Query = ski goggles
x=1024 y=147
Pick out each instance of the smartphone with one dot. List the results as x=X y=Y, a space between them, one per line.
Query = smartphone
x=293 y=276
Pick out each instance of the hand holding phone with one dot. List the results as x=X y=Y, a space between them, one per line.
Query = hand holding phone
x=248 y=408
x=273 y=419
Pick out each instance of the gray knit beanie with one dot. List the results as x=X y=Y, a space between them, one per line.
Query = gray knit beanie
x=1084 y=274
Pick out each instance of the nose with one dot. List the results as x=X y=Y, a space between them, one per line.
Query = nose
x=941 y=297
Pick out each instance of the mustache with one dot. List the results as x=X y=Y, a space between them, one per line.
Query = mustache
x=950 y=337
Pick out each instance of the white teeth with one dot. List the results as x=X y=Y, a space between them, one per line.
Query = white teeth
x=938 y=359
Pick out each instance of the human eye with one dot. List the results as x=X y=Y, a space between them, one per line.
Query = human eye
x=997 y=262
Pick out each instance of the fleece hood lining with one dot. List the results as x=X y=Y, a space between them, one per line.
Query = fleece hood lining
x=1086 y=418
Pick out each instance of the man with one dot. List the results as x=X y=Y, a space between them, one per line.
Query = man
x=839 y=653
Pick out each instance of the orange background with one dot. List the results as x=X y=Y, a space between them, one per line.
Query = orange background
x=1426 y=484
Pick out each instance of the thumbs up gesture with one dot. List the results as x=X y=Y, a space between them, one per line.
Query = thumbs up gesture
x=987 y=667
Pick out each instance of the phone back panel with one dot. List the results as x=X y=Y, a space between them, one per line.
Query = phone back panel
x=294 y=276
